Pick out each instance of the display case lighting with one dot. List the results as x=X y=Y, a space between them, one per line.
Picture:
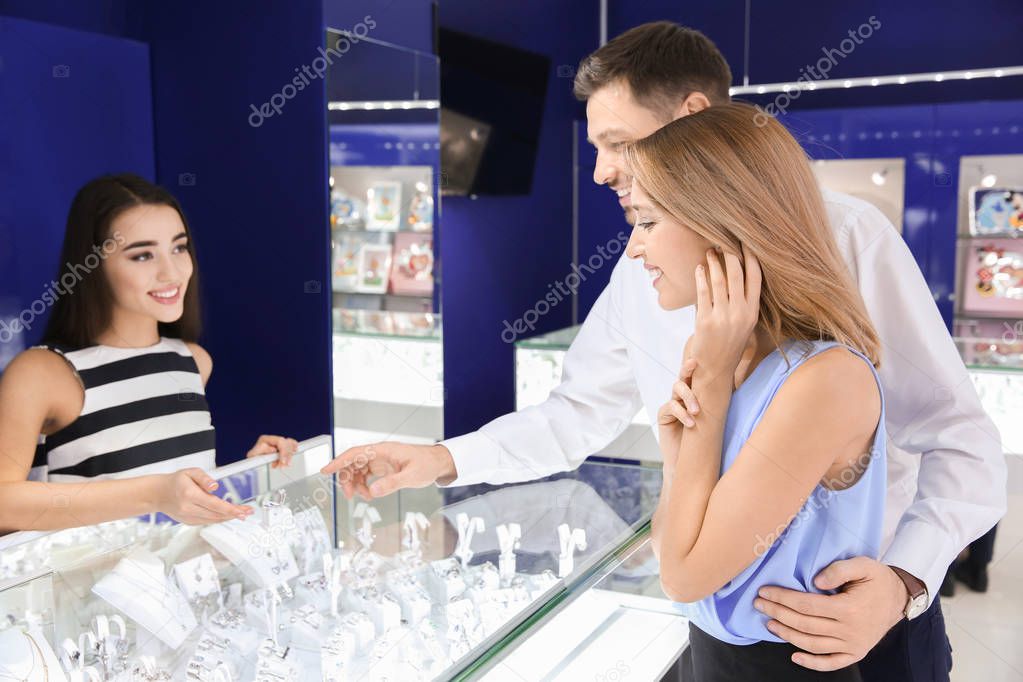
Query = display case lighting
x=873 y=81
x=370 y=105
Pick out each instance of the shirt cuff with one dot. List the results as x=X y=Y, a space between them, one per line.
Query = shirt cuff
x=924 y=551
x=475 y=456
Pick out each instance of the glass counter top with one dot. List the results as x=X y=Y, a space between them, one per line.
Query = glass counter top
x=977 y=353
x=559 y=339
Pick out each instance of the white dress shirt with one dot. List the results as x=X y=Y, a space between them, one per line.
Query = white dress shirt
x=946 y=469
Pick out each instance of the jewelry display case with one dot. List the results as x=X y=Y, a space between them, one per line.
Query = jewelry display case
x=424 y=584
x=539 y=362
x=385 y=181
x=996 y=369
x=388 y=377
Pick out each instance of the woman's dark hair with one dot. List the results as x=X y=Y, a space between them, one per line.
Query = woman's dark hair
x=82 y=311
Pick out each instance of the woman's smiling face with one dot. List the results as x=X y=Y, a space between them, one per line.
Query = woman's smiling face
x=670 y=251
x=150 y=271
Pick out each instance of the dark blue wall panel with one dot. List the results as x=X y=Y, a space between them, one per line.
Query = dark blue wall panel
x=786 y=35
x=257 y=201
x=73 y=105
x=500 y=253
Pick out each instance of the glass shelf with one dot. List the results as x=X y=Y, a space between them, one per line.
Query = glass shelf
x=387 y=324
x=559 y=339
x=991 y=354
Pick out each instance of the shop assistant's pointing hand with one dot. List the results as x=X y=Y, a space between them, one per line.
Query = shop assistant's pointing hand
x=393 y=466
x=285 y=447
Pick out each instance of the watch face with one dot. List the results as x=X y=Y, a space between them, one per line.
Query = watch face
x=917 y=605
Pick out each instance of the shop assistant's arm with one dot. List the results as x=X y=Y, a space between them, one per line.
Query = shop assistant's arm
x=37 y=389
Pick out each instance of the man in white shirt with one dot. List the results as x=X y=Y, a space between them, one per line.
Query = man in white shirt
x=946 y=468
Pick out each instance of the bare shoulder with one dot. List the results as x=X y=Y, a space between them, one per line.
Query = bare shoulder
x=838 y=386
x=203 y=360
x=39 y=381
x=40 y=366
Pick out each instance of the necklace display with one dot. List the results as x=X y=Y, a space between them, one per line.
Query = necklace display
x=33 y=648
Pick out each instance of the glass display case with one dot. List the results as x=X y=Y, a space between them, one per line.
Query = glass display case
x=996 y=369
x=424 y=584
x=384 y=151
x=539 y=361
x=388 y=377
x=989 y=286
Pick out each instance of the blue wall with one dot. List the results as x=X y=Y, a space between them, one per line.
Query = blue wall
x=256 y=197
x=73 y=105
x=500 y=253
x=258 y=205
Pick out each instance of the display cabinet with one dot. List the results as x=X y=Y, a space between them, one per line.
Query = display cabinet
x=388 y=377
x=385 y=180
x=996 y=369
x=424 y=584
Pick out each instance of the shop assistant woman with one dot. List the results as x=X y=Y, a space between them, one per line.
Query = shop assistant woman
x=108 y=417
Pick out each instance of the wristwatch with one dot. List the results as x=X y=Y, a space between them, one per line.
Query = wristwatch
x=917 y=603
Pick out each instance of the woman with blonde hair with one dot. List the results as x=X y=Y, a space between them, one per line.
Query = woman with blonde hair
x=782 y=469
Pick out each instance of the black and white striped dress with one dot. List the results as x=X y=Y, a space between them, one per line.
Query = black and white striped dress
x=145 y=412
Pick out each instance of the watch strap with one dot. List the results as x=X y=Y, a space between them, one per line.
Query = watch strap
x=914 y=586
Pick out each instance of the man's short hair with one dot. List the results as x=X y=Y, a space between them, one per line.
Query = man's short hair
x=662 y=62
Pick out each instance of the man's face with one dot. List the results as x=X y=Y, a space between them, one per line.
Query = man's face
x=614 y=119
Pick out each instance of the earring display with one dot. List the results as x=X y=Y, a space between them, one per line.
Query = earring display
x=509 y=536
x=570 y=541
x=467 y=528
x=200 y=583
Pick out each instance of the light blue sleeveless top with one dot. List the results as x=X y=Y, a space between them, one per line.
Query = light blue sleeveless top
x=831 y=525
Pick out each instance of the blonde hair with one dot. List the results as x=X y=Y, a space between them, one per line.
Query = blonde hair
x=736 y=176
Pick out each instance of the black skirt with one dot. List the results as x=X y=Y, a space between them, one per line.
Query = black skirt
x=717 y=661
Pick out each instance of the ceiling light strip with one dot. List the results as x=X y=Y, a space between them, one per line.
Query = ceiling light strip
x=873 y=81
x=374 y=105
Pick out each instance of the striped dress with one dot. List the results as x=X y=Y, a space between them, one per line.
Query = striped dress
x=144 y=412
